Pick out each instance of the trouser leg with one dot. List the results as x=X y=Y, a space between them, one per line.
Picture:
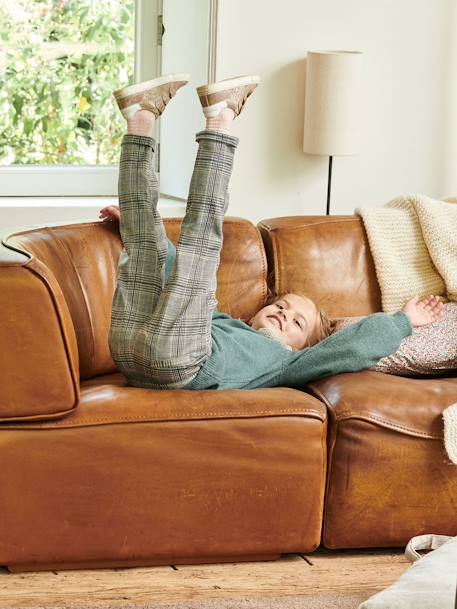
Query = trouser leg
x=161 y=335
x=182 y=320
x=142 y=268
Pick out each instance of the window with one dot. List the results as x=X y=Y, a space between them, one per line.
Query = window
x=59 y=62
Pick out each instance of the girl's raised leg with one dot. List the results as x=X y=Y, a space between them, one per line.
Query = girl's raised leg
x=141 y=272
x=180 y=328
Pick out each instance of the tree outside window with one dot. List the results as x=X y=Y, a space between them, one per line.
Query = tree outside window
x=59 y=63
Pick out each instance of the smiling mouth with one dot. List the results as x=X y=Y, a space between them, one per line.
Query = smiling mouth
x=277 y=320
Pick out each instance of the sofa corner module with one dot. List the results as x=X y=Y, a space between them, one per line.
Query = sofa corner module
x=388 y=477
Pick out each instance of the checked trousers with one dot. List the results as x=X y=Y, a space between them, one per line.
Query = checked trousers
x=160 y=332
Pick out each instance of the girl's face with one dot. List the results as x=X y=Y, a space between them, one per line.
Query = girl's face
x=293 y=318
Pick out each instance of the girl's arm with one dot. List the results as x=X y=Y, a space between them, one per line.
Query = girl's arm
x=361 y=345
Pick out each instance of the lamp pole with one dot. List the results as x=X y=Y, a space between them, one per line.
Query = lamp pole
x=329 y=183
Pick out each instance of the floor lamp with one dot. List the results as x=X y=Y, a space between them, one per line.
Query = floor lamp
x=333 y=106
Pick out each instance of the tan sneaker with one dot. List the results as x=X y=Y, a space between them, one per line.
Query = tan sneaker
x=231 y=93
x=152 y=95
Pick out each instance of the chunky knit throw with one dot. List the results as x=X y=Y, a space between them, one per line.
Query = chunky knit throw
x=413 y=241
x=450 y=432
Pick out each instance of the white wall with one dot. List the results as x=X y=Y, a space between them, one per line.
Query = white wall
x=410 y=141
x=410 y=49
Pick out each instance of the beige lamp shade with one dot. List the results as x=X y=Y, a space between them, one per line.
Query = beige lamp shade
x=333 y=103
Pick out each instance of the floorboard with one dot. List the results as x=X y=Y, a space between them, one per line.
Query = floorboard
x=321 y=573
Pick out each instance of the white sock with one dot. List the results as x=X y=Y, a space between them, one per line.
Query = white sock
x=141 y=123
x=222 y=122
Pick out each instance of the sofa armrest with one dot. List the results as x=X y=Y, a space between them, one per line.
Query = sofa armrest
x=39 y=375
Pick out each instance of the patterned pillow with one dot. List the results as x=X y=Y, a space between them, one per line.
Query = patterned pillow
x=429 y=350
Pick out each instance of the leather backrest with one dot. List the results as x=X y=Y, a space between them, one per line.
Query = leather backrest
x=84 y=259
x=327 y=258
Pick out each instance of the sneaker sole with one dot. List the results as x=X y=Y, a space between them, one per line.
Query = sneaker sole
x=230 y=83
x=150 y=84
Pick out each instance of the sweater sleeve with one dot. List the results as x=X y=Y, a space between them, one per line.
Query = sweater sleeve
x=356 y=348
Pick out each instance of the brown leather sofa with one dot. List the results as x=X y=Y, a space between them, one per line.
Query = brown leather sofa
x=95 y=473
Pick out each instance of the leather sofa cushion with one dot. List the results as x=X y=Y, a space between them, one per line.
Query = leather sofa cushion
x=147 y=477
x=406 y=405
x=389 y=477
x=327 y=258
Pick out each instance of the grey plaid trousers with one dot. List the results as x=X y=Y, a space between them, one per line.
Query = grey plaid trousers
x=160 y=332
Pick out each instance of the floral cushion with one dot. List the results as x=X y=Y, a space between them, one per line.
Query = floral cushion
x=429 y=350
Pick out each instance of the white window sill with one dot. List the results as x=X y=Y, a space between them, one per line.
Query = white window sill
x=20 y=212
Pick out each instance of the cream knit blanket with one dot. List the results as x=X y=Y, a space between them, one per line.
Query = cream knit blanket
x=450 y=431
x=413 y=241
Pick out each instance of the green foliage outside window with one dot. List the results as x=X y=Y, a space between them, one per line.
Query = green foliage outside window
x=59 y=63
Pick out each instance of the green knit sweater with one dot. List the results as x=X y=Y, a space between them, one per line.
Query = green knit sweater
x=243 y=358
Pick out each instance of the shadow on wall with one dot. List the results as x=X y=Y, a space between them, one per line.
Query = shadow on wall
x=287 y=108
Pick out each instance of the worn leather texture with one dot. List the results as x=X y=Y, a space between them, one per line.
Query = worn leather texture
x=134 y=476
x=325 y=257
x=389 y=477
x=137 y=476
x=39 y=374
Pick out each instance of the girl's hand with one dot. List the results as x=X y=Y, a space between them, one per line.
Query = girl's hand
x=110 y=214
x=425 y=311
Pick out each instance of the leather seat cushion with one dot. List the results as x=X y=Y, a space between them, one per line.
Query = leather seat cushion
x=140 y=476
x=389 y=477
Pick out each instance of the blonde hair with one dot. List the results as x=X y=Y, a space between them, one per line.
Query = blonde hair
x=323 y=327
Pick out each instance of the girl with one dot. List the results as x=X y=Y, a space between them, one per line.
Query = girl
x=165 y=330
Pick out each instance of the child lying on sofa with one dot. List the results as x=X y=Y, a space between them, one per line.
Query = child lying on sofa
x=165 y=330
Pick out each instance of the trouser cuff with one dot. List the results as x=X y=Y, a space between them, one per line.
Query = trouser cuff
x=215 y=136
x=142 y=140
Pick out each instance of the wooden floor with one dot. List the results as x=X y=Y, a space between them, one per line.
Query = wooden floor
x=355 y=575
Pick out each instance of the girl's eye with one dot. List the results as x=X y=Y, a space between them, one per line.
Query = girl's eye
x=280 y=307
x=298 y=323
